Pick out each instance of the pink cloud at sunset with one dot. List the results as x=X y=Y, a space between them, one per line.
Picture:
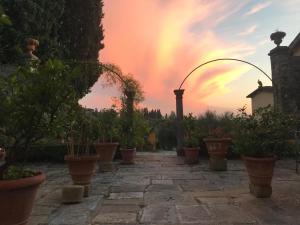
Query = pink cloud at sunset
x=161 y=41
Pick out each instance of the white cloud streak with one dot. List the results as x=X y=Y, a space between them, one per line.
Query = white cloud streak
x=258 y=7
x=248 y=31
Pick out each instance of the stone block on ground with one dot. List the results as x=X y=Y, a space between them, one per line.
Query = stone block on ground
x=72 y=194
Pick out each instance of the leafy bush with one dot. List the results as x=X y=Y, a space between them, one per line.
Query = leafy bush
x=82 y=131
x=262 y=134
x=167 y=132
x=191 y=133
x=109 y=125
x=14 y=172
x=31 y=101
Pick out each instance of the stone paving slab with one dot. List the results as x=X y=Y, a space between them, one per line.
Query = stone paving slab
x=115 y=218
x=159 y=214
x=127 y=188
x=159 y=189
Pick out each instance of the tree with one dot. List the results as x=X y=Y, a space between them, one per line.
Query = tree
x=66 y=29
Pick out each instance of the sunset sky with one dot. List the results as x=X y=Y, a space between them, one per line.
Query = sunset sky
x=161 y=41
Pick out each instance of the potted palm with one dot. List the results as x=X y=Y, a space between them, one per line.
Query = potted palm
x=31 y=98
x=81 y=159
x=260 y=138
x=217 y=144
x=107 y=143
x=191 y=139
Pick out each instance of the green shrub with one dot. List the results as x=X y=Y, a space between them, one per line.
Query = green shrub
x=262 y=134
x=32 y=100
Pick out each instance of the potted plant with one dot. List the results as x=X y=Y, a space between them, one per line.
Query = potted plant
x=128 y=133
x=191 y=139
x=81 y=159
x=108 y=131
x=260 y=138
x=128 y=148
x=217 y=144
x=31 y=98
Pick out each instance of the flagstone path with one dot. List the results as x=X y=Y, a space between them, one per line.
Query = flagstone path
x=160 y=189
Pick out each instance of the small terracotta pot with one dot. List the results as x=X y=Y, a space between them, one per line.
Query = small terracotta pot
x=106 y=152
x=260 y=171
x=81 y=168
x=191 y=155
x=17 y=199
x=128 y=155
x=217 y=149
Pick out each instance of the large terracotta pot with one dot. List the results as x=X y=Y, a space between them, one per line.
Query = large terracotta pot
x=260 y=171
x=217 y=149
x=81 y=168
x=107 y=152
x=17 y=199
x=128 y=155
x=191 y=155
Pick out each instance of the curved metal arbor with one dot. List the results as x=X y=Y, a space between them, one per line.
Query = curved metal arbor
x=179 y=93
x=225 y=59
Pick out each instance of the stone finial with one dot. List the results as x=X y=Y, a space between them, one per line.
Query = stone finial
x=31 y=45
x=277 y=37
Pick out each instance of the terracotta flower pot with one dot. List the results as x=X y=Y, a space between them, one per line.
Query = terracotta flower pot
x=106 y=152
x=191 y=155
x=128 y=155
x=260 y=171
x=81 y=168
x=17 y=199
x=217 y=149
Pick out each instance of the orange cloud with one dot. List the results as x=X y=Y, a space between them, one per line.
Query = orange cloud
x=160 y=42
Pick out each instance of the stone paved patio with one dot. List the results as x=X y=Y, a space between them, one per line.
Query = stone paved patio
x=161 y=189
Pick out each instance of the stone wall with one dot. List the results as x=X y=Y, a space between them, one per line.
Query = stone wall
x=286 y=79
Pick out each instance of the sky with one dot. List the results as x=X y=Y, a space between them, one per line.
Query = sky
x=161 y=41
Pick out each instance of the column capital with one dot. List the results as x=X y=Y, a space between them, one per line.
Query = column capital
x=178 y=92
x=280 y=50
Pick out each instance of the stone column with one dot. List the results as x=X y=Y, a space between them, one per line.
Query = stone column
x=284 y=78
x=280 y=58
x=179 y=118
x=280 y=64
